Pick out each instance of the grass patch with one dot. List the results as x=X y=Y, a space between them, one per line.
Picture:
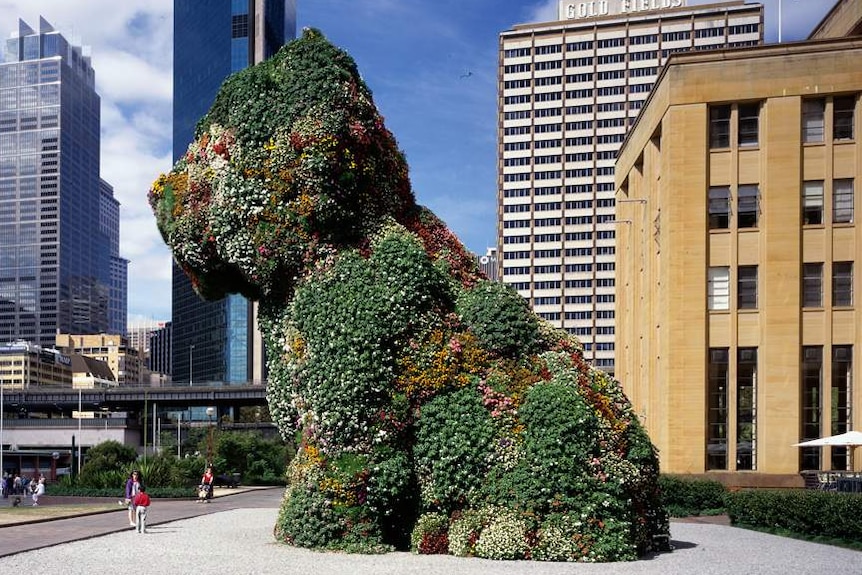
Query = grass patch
x=26 y=512
x=835 y=542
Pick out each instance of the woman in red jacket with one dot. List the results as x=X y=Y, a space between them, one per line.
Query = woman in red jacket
x=206 y=487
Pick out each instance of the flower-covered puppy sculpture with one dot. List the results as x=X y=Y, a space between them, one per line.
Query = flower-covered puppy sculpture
x=431 y=408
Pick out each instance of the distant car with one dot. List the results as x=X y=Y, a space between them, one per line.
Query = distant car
x=226 y=480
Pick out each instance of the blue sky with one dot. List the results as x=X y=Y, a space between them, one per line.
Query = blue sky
x=431 y=65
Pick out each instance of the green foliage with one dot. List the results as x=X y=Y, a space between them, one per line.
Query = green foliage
x=500 y=318
x=108 y=456
x=307 y=520
x=430 y=535
x=258 y=461
x=465 y=529
x=688 y=496
x=553 y=474
x=453 y=445
x=504 y=537
x=804 y=512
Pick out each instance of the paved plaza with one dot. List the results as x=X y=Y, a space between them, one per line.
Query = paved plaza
x=233 y=536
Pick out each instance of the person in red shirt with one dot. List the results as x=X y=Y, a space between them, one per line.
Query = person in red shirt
x=206 y=487
x=142 y=504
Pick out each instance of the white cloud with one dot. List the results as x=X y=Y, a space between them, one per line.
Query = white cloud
x=547 y=11
x=131 y=45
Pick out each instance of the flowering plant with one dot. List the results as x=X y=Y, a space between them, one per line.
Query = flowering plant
x=433 y=410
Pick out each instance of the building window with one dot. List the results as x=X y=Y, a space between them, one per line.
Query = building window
x=716 y=441
x=718 y=288
x=719 y=127
x=842 y=284
x=842 y=117
x=719 y=208
x=749 y=115
x=812 y=202
x=748 y=207
x=746 y=409
x=813 y=113
x=812 y=375
x=812 y=285
x=746 y=297
x=842 y=201
x=842 y=368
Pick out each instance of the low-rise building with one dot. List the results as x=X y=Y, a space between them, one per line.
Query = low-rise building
x=738 y=314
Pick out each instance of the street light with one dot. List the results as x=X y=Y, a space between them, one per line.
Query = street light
x=191 y=363
x=210 y=412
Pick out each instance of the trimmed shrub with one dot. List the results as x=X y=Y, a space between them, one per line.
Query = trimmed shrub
x=805 y=512
x=683 y=497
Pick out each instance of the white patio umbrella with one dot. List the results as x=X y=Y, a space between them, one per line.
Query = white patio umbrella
x=850 y=439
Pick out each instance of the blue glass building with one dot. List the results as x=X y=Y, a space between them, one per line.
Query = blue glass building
x=217 y=341
x=55 y=262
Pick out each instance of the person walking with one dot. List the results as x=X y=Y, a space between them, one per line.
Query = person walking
x=38 y=491
x=206 y=488
x=133 y=486
x=142 y=505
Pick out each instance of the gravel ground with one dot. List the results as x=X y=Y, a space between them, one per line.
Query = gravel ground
x=240 y=542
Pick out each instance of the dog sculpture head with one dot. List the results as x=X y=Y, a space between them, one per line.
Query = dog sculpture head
x=292 y=160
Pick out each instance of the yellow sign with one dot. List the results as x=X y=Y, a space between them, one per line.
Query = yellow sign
x=83 y=414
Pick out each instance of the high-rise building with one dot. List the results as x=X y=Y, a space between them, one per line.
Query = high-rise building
x=55 y=265
x=217 y=341
x=109 y=227
x=738 y=276
x=568 y=92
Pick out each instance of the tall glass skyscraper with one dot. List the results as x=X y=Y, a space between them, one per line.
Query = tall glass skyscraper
x=217 y=341
x=55 y=264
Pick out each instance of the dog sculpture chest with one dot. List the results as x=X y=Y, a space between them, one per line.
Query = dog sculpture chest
x=431 y=407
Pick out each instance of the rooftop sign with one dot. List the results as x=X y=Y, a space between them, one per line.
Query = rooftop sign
x=593 y=8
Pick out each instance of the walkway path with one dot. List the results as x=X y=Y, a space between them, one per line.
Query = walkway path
x=233 y=536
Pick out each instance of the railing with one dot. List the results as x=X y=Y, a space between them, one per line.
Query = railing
x=61 y=422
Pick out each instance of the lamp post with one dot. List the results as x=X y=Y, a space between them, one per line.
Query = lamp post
x=210 y=413
x=191 y=363
x=2 y=408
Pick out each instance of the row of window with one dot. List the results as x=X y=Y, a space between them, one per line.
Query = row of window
x=748 y=204
x=813 y=127
x=569 y=94
x=569 y=268
x=556 y=190
x=719 y=284
x=640 y=39
x=555 y=253
x=732 y=405
x=571 y=236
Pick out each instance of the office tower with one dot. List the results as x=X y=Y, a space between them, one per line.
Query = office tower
x=217 y=341
x=55 y=264
x=109 y=227
x=160 y=350
x=569 y=90
x=488 y=264
x=738 y=283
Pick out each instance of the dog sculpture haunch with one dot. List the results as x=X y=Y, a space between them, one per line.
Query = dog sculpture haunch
x=432 y=408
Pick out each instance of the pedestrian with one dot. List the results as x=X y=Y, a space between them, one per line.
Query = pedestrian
x=38 y=491
x=133 y=486
x=205 y=491
x=142 y=504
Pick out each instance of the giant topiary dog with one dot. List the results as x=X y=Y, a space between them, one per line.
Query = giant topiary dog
x=432 y=407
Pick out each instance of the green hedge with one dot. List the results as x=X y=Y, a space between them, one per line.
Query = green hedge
x=686 y=497
x=803 y=512
x=64 y=489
